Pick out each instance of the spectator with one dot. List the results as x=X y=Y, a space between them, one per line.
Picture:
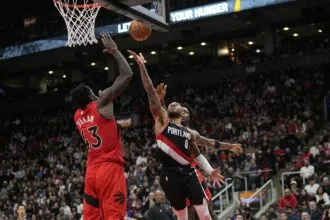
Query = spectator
x=272 y=214
x=294 y=188
x=263 y=217
x=322 y=198
x=160 y=211
x=283 y=216
x=314 y=212
x=326 y=185
x=288 y=200
x=21 y=212
x=291 y=215
x=304 y=199
x=247 y=214
x=240 y=217
x=315 y=150
x=312 y=187
x=237 y=212
x=307 y=170
x=305 y=216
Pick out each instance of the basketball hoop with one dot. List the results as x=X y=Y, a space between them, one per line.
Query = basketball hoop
x=79 y=20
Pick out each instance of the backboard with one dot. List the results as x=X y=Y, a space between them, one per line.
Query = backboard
x=152 y=12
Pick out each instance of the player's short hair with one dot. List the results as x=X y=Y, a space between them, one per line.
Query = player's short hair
x=81 y=96
x=191 y=111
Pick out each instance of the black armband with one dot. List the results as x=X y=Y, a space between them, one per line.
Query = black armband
x=217 y=144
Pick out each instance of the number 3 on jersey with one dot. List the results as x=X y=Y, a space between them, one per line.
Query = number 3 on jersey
x=97 y=141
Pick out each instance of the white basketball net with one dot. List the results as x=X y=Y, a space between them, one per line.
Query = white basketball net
x=79 y=20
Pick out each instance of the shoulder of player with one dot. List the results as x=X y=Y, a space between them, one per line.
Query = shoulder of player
x=193 y=132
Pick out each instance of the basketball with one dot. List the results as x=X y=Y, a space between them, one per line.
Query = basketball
x=139 y=31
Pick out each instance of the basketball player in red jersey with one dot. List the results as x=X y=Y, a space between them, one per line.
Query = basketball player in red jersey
x=105 y=183
x=177 y=150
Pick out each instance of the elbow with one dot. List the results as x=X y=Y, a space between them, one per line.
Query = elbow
x=128 y=76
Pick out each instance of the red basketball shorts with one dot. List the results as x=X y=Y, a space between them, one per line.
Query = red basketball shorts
x=105 y=192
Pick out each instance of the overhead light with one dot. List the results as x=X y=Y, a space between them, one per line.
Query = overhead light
x=145 y=61
x=233 y=50
x=93 y=63
x=106 y=68
x=63 y=76
x=258 y=50
x=191 y=53
x=131 y=56
x=56 y=89
x=153 y=52
x=203 y=43
x=320 y=30
x=286 y=28
x=250 y=42
x=179 y=48
x=295 y=34
x=223 y=51
x=50 y=72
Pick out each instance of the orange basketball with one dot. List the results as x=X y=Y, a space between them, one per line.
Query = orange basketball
x=139 y=31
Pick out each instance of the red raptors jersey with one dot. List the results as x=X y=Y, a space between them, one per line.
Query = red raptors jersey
x=100 y=134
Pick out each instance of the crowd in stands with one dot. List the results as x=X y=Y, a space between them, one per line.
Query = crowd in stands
x=272 y=115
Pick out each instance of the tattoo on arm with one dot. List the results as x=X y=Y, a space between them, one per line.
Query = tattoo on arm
x=206 y=142
x=154 y=102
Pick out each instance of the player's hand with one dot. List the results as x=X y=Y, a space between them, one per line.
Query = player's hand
x=138 y=58
x=109 y=45
x=236 y=149
x=161 y=91
x=216 y=177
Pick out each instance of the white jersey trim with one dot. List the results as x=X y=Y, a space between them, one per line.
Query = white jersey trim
x=170 y=152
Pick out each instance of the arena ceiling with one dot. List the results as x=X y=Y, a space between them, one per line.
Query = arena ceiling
x=304 y=16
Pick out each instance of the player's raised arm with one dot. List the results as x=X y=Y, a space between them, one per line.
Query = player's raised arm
x=202 y=161
x=158 y=112
x=161 y=92
x=125 y=73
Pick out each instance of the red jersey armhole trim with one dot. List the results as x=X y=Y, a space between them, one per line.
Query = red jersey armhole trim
x=162 y=128
x=98 y=113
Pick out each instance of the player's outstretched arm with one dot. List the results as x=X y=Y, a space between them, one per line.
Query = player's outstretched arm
x=202 y=161
x=207 y=142
x=157 y=111
x=125 y=73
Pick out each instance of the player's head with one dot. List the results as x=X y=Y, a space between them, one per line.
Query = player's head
x=186 y=114
x=82 y=95
x=174 y=110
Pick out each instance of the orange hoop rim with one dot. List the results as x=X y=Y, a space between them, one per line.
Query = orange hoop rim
x=77 y=5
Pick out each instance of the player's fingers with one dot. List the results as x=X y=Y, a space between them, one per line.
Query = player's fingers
x=165 y=87
x=103 y=41
x=132 y=53
x=108 y=36
x=219 y=184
